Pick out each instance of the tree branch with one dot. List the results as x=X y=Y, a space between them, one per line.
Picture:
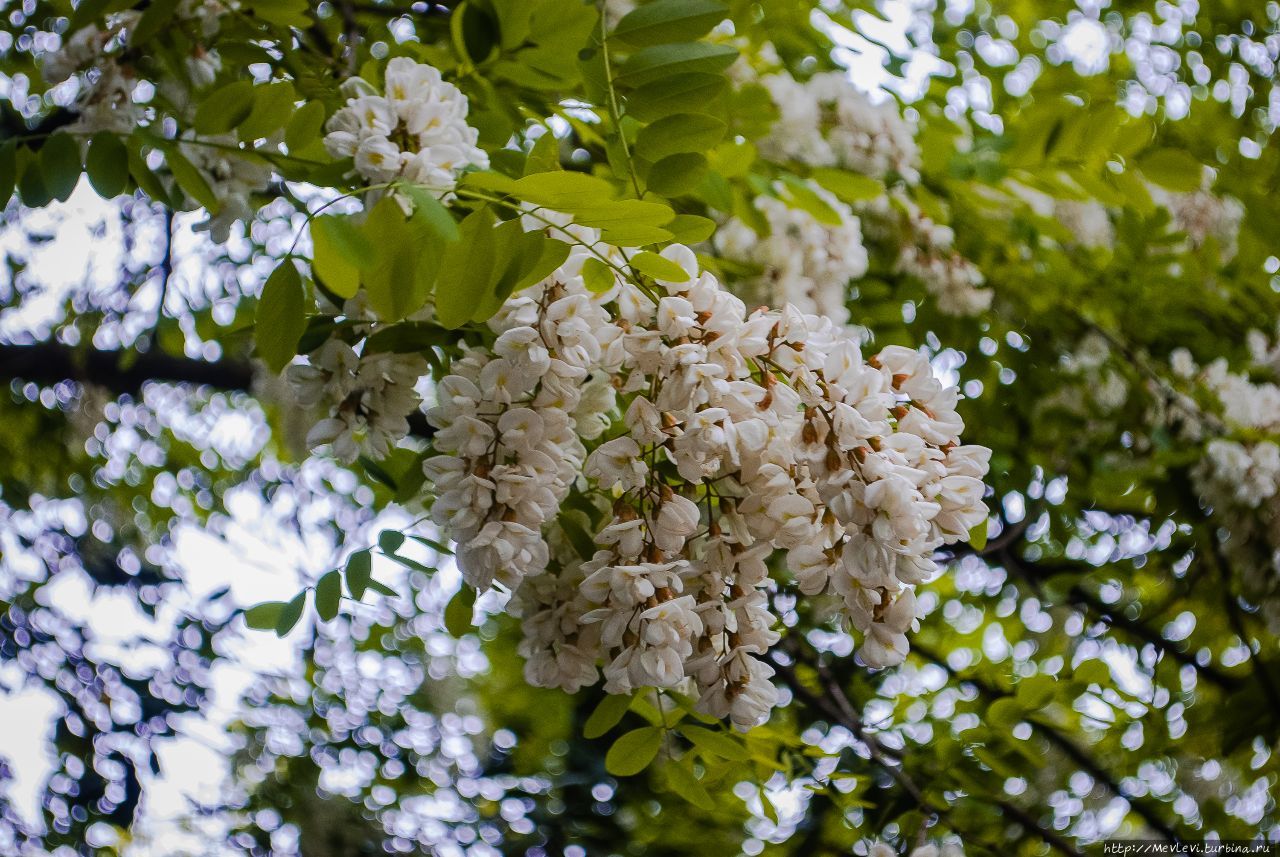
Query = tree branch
x=126 y=371
x=123 y=371
x=1074 y=751
x=836 y=705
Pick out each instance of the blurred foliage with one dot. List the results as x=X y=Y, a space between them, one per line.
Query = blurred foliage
x=1106 y=665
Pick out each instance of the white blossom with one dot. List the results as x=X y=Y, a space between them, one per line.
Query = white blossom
x=416 y=130
x=706 y=438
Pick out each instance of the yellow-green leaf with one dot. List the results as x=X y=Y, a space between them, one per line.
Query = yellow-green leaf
x=633 y=751
x=606 y=715
x=281 y=317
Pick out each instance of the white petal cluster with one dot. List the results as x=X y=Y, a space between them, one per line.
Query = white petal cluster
x=233 y=180
x=804 y=263
x=706 y=439
x=1248 y=474
x=104 y=100
x=881 y=849
x=826 y=121
x=1242 y=467
x=928 y=254
x=415 y=129
x=1087 y=221
x=1202 y=215
x=369 y=398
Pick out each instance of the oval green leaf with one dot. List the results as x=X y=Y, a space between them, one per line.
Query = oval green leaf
x=633 y=752
x=282 y=316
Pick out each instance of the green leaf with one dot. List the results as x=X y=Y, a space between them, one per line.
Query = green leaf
x=633 y=751
x=680 y=779
x=682 y=132
x=304 y=126
x=60 y=165
x=679 y=94
x=766 y=805
x=339 y=251
x=1004 y=714
x=272 y=104
x=282 y=316
x=8 y=171
x=290 y=614
x=107 y=164
x=665 y=21
x=389 y=541
x=146 y=178
x=31 y=184
x=678 y=174
x=458 y=612
x=328 y=595
x=691 y=228
x=433 y=213
x=264 y=616
x=978 y=536
x=623 y=214
x=406 y=261
x=1093 y=672
x=1175 y=169
x=849 y=187
x=607 y=714
x=359 y=573
x=1035 y=692
x=716 y=743
x=154 y=19
x=189 y=179
x=552 y=256
x=224 y=108
x=598 y=277
x=281 y=13
x=433 y=544
x=382 y=589
x=658 y=267
x=663 y=61
x=562 y=189
x=798 y=194
x=733 y=159
x=465 y=270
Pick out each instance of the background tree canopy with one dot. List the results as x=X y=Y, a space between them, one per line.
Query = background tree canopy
x=390 y=330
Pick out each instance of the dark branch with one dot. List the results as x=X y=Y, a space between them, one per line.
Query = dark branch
x=126 y=371
x=120 y=372
x=1070 y=748
x=834 y=704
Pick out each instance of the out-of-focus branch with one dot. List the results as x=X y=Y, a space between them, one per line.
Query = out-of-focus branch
x=834 y=704
x=1004 y=551
x=126 y=371
x=118 y=371
x=1070 y=748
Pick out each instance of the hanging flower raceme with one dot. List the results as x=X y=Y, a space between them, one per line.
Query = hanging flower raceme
x=701 y=439
x=415 y=130
x=803 y=262
x=826 y=121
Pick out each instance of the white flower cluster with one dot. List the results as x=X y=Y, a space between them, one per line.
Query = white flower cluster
x=416 y=130
x=104 y=99
x=928 y=254
x=1242 y=467
x=881 y=849
x=826 y=121
x=1202 y=215
x=1087 y=221
x=706 y=438
x=233 y=180
x=369 y=397
x=804 y=263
